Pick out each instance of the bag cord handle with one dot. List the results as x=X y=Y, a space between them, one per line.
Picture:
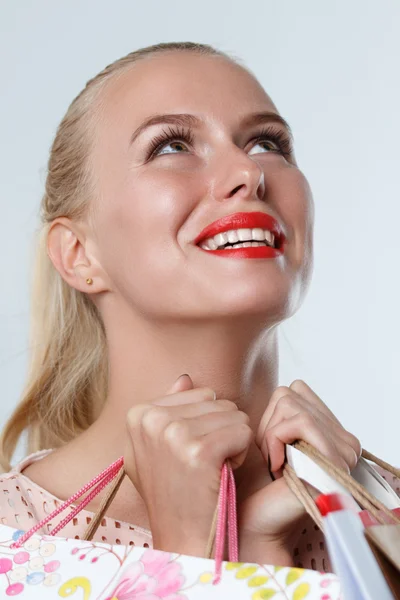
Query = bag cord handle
x=225 y=512
x=96 y=486
x=358 y=491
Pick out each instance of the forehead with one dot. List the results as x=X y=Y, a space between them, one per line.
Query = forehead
x=210 y=86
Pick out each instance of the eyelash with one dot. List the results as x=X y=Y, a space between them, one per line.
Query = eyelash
x=270 y=133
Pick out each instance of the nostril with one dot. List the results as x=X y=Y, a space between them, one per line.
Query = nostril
x=233 y=192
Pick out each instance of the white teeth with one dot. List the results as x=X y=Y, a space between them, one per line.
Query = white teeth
x=269 y=236
x=232 y=236
x=211 y=244
x=245 y=234
x=204 y=245
x=238 y=235
x=258 y=234
x=221 y=239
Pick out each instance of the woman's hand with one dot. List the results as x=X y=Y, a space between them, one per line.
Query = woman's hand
x=271 y=519
x=174 y=454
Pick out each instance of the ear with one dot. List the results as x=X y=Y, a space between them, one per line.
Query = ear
x=72 y=252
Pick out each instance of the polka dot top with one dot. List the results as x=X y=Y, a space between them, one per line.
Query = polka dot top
x=23 y=503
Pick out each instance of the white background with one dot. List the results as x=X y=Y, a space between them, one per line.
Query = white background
x=332 y=68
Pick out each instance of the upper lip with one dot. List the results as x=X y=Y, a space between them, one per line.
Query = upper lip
x=241 y=220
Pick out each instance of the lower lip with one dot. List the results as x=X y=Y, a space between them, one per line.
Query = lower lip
x=250 y=252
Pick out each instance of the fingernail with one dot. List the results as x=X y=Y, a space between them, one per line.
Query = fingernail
x=183 y=375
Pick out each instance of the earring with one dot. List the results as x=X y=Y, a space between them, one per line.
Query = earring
x=89 y=281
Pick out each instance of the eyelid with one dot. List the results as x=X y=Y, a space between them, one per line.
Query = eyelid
x=278 y=136
x=169 y=137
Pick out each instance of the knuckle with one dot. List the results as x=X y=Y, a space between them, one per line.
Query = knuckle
x=246 y=431
x=297 y=384
x=344 y=465
x=352 y=458
x=287 y=401
x=282 y=390
x=208 y=393
x=356 y=445
x=134 y=416
x=175 y=431
x=131 y=417
x=244 y=417
x=307 y=419
x=227 y=404
x=196 y=454
x=154 y=420
x=269 y=434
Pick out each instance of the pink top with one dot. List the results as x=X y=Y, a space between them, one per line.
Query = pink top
x=23 y=503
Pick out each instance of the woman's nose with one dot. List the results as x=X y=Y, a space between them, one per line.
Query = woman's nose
x=244 y=180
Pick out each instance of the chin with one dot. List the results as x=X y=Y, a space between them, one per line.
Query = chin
x=273 y=303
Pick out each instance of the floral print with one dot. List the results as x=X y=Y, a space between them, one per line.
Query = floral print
x=48 y=567
x=154 y=576
x=29 y=565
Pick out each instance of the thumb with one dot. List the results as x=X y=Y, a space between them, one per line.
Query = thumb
x=183 y=383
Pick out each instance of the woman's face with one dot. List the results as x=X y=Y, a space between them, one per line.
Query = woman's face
x=153 y=202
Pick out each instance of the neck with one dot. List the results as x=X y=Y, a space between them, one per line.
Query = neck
x=238 y=359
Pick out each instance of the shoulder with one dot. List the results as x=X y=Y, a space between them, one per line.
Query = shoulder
x=22 y=502
x=28 y=460
x=16 y=487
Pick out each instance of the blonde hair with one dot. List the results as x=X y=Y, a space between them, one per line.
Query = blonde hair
x=67 y=378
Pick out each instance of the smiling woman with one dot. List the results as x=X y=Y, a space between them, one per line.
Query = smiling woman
x=176 y=235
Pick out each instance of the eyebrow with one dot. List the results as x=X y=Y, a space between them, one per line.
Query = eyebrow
x=188 y=120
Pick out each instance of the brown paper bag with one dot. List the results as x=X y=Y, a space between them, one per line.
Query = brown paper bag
x=384 y=541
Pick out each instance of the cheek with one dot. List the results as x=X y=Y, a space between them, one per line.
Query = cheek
x=138 y=237
x=296 y=207
x=292 y=199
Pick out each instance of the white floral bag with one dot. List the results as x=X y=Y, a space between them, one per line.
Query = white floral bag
x=42 y=567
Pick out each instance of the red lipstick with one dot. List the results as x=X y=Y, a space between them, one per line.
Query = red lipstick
x=245 y=220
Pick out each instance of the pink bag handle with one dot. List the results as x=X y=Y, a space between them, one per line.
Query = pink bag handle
x=98 y=484
x=226 y=512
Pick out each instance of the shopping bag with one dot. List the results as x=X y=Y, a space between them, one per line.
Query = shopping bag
x=364 y=548
x=384 y=541
x=34 y=566
x=361 y=575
